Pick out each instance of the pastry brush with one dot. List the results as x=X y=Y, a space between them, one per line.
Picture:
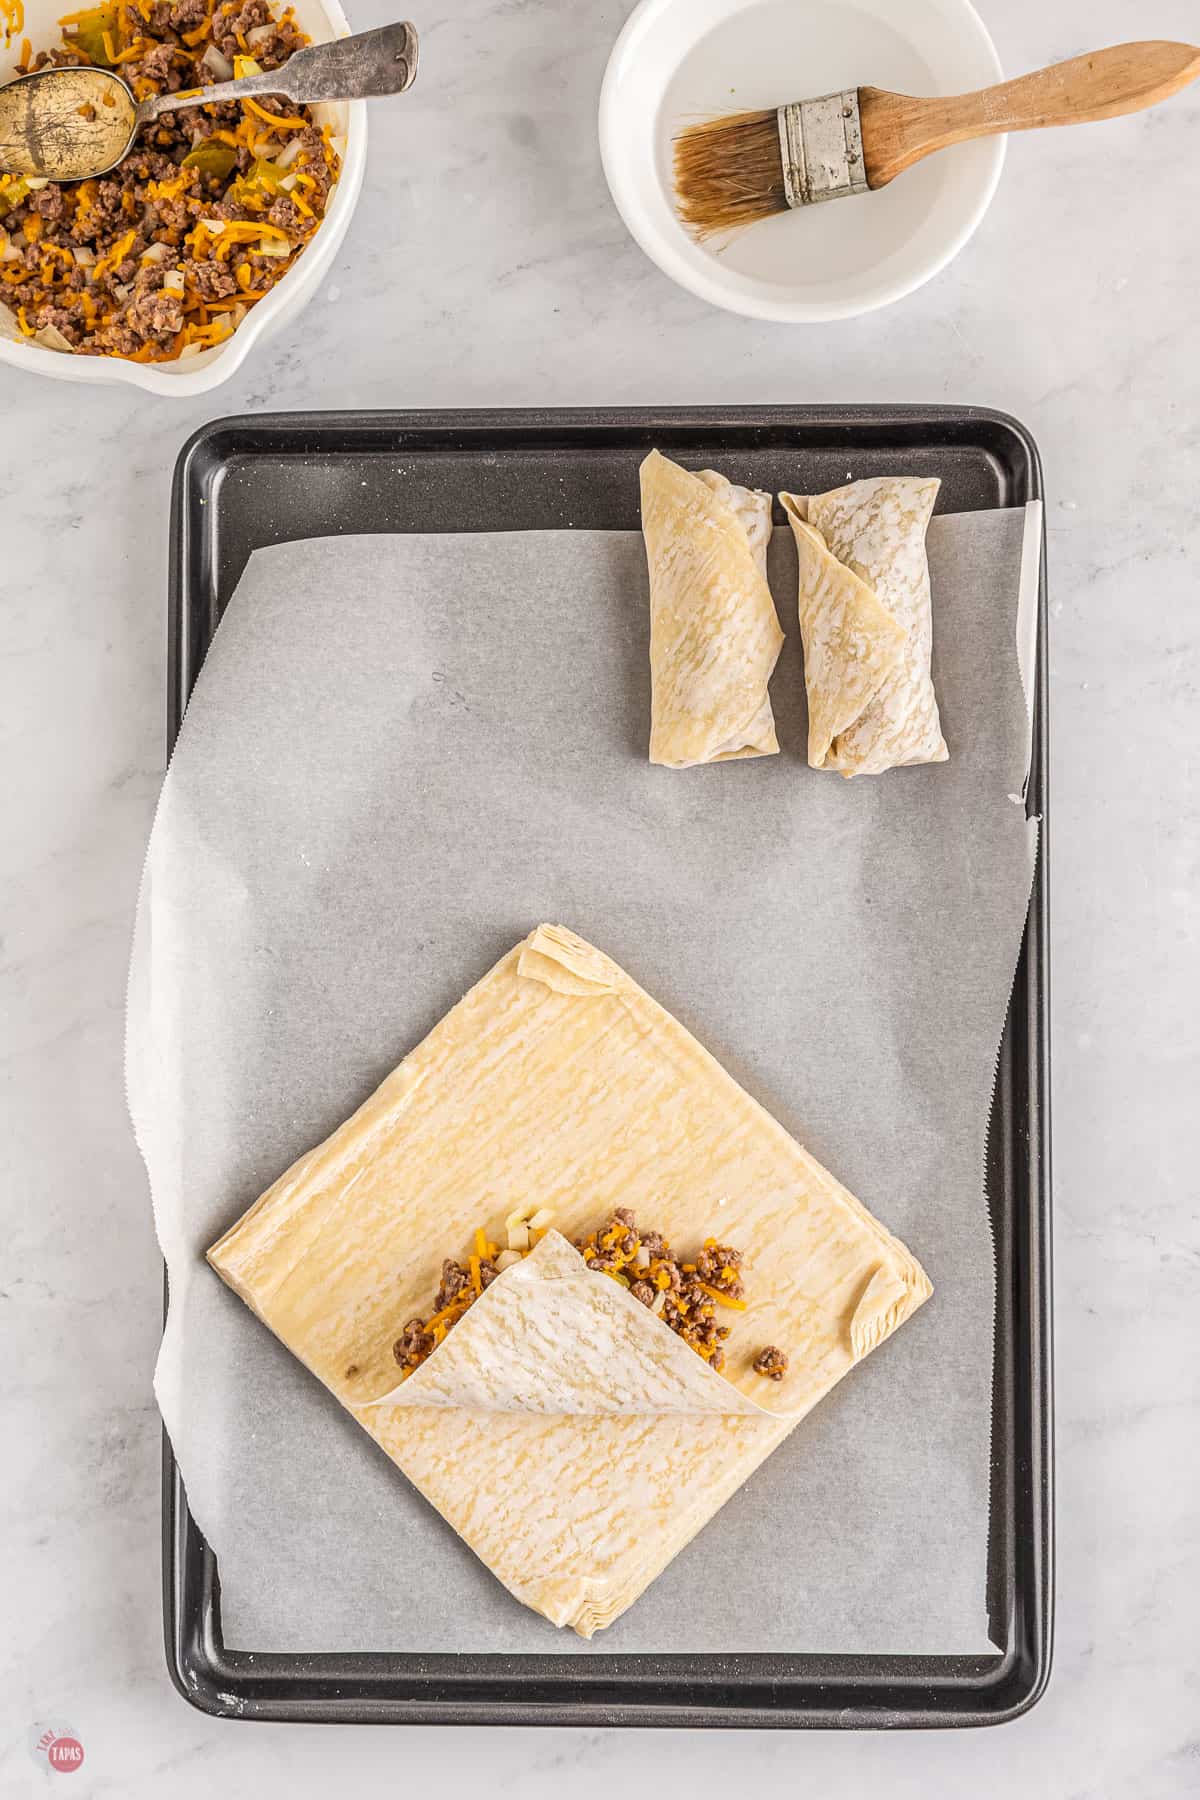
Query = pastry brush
x=734 y=170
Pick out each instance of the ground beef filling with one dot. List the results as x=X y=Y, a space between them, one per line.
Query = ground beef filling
x=687 y=1296
x=461 y=1286
x=211 y=208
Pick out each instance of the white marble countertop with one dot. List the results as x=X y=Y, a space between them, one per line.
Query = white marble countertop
x=487 y=267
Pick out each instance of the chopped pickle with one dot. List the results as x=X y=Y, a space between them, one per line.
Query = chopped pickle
x=257 y=186
x=211 y=158
x=86 y=31
x=13 y=191
x=265 y=175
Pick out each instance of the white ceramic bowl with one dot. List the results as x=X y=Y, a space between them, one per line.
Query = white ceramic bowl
x=322 y=20
x=679 y=60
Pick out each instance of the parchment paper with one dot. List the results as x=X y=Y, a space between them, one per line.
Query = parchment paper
x=404 y=752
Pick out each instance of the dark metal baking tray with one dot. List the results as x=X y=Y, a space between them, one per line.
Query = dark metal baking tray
x=245 y=482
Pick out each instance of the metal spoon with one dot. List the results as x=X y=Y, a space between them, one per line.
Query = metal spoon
x=70 y=124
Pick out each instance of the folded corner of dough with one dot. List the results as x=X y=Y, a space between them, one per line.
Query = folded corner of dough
x=566 y=963
x=866 y=618
x=714 y=634
x=894 y=1290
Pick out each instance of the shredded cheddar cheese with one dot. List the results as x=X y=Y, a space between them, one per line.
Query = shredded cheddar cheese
x=278 y=121
x=116 y=256
x=725 y=1299
x=12 y=15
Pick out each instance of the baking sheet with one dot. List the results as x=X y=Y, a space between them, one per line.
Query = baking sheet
x=402 y=753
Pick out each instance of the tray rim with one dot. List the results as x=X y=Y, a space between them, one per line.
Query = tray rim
x=896 y=1692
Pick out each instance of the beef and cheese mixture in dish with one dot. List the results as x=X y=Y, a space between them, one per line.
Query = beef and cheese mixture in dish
x=685 y=1295
x=163 y=257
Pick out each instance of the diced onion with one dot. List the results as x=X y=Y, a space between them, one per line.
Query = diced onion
x=517 y=1227
x=506 y=1259
x=260 y=34
x=51 y=338
x=192 y=350
x=173 y=281
x=217 y=65
x=287 y=184
x=84 y=258
x=643 y=1257
x=35 y=183
x=289 y=153
x=154 y=253
x=246 y=65
x=542 y=1219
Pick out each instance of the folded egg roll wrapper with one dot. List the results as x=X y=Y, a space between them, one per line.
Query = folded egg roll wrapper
x=562 y=1429
x=714 y=633
x=866 y=619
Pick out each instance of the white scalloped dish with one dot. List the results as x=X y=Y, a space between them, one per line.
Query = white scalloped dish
x=321 y=20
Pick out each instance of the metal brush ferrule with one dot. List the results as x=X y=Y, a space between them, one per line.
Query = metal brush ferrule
x=821 y=146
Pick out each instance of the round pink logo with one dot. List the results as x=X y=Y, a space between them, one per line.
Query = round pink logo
x=57 y=1747
x=65 y=1754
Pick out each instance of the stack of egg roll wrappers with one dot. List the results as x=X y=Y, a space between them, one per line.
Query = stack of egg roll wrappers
x=566 y=1433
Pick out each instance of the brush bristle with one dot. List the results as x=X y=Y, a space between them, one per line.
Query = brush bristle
x=729 y=172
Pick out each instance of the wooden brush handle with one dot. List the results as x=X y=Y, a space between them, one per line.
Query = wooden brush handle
x=898 y=130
